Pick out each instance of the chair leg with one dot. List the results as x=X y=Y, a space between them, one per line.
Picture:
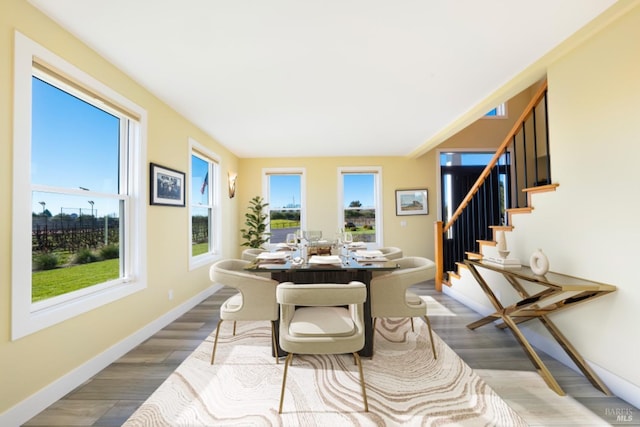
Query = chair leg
x=433 y=346
x=364 y=391
x=284 y=380
x=234 y=328
x=215 y=341
x=273 y=340
x=412 y=329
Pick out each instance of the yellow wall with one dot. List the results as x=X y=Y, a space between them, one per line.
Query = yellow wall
x=31 y=363
x=416 y=238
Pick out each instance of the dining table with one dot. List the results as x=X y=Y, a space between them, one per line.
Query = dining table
x=351 y=265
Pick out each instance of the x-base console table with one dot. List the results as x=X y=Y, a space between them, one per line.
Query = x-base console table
x=558 y=292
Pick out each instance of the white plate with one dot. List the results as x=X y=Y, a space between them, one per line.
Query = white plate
x=272 y=255
x=368 y=254
x=327 y=259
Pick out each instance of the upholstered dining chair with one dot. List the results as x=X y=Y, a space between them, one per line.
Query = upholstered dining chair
x=390 y=296
x=250 y=254
x=391 y=252
x=328 y=320
x=256 y=299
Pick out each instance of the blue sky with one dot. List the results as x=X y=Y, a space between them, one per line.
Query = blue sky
x=65 y=128
x=285 y=190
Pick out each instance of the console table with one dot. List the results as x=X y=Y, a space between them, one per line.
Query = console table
x=558 y=292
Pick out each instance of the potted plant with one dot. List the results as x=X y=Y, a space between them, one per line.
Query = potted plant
x=255 y=234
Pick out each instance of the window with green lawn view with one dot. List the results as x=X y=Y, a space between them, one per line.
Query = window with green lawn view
x=203 y=203
x=78 y=199
x=361 y=210
x=285 y=198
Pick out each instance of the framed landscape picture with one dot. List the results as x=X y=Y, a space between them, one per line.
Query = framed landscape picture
x=412 y=202
x=167 y=186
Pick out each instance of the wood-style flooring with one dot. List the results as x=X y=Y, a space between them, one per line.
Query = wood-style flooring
x=110 y=397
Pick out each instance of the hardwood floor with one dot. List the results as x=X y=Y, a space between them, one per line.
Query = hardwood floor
x=110 y=397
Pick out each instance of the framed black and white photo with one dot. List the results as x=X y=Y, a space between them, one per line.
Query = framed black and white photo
x=167 y=186
x=412 y=202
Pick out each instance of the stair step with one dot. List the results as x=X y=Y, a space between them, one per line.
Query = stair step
x=541 y=188
x=462 y=265
x=486 y=242
x=453 y=274
x=528 y=209
x=473 y=255
x=501 y=227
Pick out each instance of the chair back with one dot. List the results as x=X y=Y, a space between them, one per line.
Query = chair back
x=391 y=252
x=250 y=254
x=388 y=290
x=323 y=313
x=258 y=292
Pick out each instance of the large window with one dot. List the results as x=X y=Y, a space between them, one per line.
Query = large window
x=360 y=196
x=284 y=191
x=78 y=206
x=204 y=202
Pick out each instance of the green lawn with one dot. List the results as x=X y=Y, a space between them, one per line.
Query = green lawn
x=199 y=248
x=50 y=283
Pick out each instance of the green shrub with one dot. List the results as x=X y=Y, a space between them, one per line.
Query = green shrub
x=46 y=261
x=110 y=252
x=85 y=256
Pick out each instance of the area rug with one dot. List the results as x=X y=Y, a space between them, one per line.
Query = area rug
x=406 y=386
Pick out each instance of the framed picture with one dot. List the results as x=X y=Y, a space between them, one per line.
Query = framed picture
x=412 y=202
x=167 y=186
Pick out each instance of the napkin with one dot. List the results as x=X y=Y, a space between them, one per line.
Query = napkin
x=272 y=255
x=325 y=259
x=368 y=254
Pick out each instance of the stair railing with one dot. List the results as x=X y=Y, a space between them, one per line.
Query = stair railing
x=521 y=161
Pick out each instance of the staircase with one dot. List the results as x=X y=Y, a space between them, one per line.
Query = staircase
x=519 y=168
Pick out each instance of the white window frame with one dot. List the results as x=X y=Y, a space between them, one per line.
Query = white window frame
x=215 y=220
x=378 y=201
x=303 y=192
x=28 y=317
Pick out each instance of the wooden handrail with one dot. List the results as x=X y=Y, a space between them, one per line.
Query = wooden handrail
x=487 y=170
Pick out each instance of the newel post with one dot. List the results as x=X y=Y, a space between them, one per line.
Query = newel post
x=437 y=235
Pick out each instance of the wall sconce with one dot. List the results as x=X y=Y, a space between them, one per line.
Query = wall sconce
x=232 y=184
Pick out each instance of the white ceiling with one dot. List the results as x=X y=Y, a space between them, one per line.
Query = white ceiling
x=290 y=78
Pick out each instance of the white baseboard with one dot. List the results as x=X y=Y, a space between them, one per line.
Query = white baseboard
x=36 y=403
x=619 y=386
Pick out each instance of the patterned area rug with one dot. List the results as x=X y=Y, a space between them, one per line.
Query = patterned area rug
x=405 y=385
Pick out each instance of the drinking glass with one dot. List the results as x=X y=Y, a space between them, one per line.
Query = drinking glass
x=291 y=239
x=348 y=238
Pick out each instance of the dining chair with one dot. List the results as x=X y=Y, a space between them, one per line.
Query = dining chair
x=391 y=252
x=250 y=254
x=390 y=296
x=256 y=299
x=323 y=319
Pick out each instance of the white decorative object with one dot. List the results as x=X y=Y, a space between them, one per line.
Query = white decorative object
x=501 y=244
x=539 y=263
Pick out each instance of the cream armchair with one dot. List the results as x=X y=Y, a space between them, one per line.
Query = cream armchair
x=390 y=296
x=256 y=299
x=250 y=254
x=322 y=325
x=391 y=252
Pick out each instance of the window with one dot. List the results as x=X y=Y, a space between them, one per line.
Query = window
x=283 y=190
x=360 y=197
x=78 y=192
x=204 y=202
x=500 y=112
